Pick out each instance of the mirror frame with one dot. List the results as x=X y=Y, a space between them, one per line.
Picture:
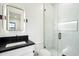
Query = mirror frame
x=5 y=17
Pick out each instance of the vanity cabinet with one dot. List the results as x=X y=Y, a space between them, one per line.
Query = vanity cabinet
x=24 y=51
x=16 y=46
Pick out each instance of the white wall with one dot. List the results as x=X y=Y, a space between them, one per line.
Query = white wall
x=0 y=8
x=34 y=27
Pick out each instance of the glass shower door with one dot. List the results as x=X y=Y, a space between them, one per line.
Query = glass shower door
x=68 y=29
x=50 y=40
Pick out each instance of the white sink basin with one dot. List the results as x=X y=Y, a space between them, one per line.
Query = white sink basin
x=16 y=43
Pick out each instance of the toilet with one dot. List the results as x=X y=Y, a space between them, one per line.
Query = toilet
x=44 y=52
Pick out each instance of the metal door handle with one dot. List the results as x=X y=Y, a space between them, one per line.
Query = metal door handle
x=59 y=35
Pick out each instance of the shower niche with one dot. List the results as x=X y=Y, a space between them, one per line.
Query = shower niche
x=13 y=18
x=68 y=26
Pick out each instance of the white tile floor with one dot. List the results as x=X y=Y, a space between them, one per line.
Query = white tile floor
x=55 y=53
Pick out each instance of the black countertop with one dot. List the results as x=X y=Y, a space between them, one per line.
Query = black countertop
x=5 y=49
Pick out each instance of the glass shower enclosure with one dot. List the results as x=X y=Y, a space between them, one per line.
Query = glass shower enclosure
x=61 y=28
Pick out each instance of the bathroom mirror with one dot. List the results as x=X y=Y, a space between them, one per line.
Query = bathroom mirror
x=14 y=18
